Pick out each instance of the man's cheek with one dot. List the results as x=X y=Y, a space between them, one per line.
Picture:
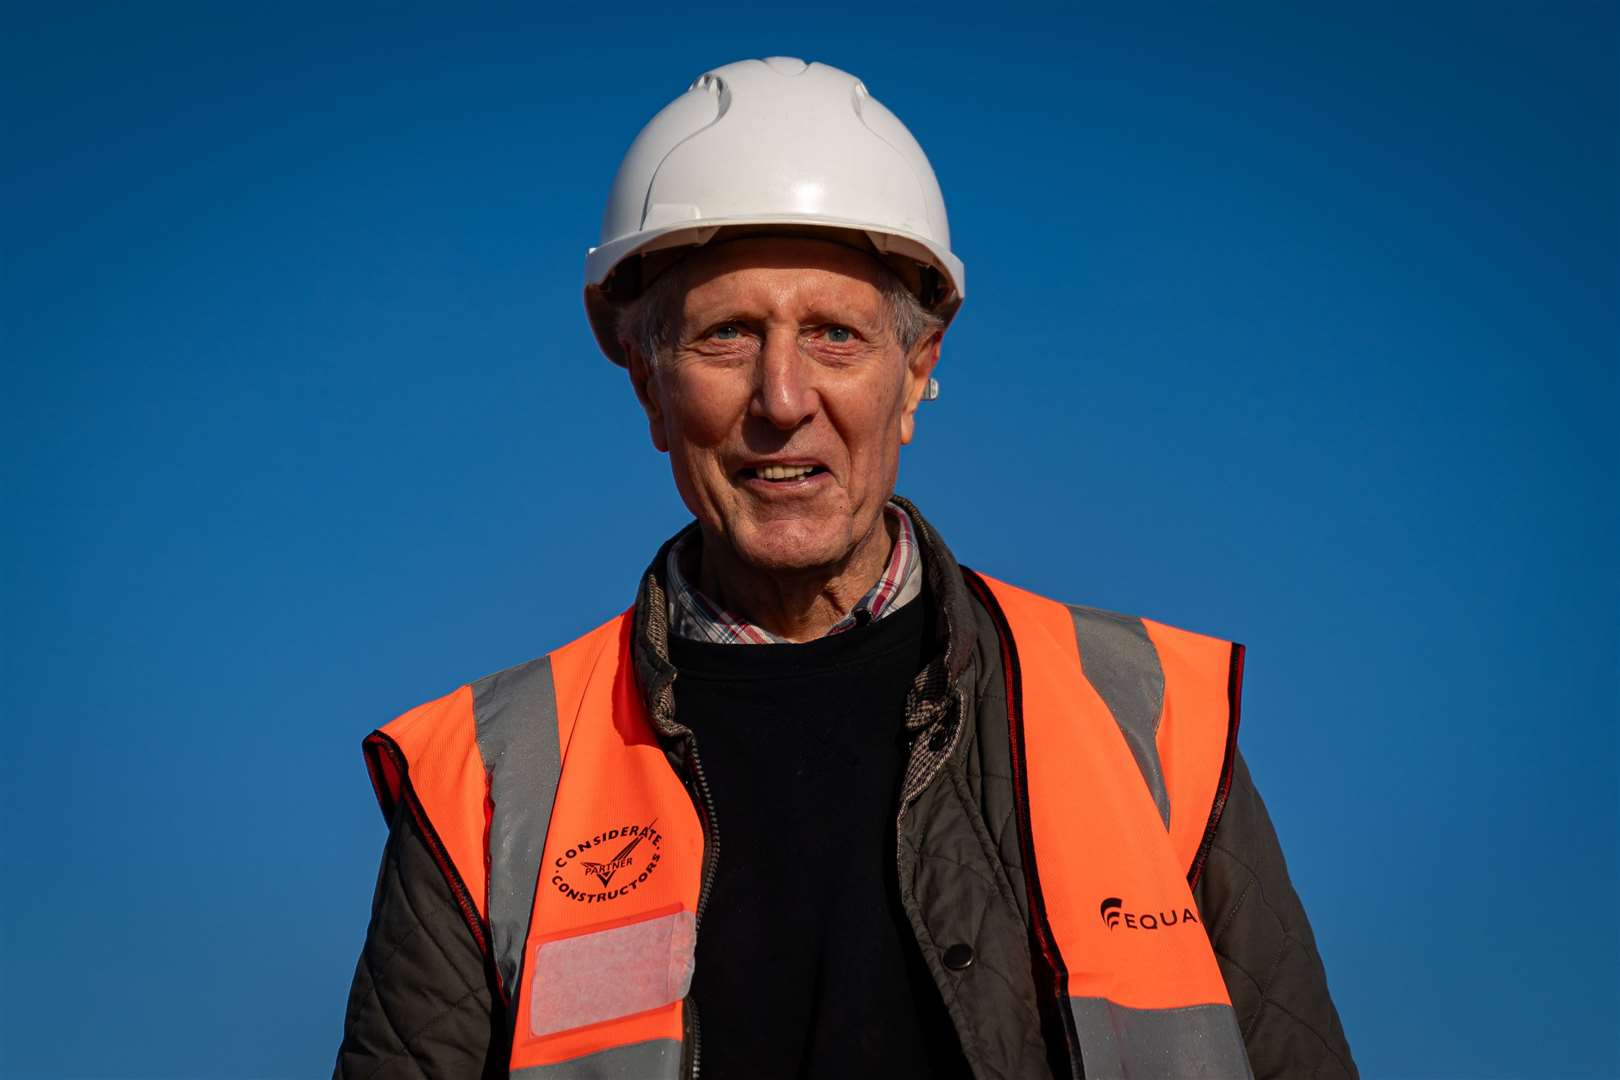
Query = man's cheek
x=702 y=424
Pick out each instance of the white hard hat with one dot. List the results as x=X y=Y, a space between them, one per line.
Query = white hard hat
x=774 y=143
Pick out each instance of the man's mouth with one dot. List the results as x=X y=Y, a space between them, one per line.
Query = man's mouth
x=783 y=473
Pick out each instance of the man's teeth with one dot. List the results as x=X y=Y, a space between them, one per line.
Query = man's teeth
x=784 y=472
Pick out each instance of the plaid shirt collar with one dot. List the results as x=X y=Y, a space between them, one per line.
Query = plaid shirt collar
x=695 y=616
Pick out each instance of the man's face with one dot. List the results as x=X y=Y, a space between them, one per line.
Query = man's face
x=785 y=399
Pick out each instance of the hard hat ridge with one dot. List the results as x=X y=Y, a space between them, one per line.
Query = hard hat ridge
x=762 y=144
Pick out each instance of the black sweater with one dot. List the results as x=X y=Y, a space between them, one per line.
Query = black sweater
x=806 y=965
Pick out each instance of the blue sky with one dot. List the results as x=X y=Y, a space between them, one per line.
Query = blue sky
x=1291 y=326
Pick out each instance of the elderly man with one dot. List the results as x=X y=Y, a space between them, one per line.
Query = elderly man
x=822 y=802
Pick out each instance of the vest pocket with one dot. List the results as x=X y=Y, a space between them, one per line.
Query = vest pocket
x=618 y=970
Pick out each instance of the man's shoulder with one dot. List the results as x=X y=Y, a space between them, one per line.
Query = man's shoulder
x=1088 y=617
x=585 y=648
x=538 y=673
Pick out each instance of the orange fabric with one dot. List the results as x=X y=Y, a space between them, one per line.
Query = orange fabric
x=440 y=741
x=614 y=775
x=1193 y=729
x=1097 y=833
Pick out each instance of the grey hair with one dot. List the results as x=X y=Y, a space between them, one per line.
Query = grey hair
x=648 y=323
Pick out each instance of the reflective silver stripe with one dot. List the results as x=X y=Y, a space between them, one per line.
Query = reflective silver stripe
x=516 y=715
x=656 y=1059
x=1121 y=663
x=1120 y=1043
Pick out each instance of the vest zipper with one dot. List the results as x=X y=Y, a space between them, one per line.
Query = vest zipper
x=697 y=788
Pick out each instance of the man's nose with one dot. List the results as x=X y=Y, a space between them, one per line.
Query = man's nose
x=785 y=394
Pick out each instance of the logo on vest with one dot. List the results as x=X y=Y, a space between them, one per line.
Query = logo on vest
x=1114 y=914
x=628 y=854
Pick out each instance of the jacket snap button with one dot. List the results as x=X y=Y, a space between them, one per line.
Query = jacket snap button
x=959 y=957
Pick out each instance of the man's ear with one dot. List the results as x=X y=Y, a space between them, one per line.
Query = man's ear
x=644 y=379
x=919 y=369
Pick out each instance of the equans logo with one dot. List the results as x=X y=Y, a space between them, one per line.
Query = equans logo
x=586 y=871
x=1114 y=913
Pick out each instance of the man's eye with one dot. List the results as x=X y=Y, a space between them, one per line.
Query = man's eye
x=728 y=332
x=838 y=335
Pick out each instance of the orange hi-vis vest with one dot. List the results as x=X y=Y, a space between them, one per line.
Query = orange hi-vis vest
x=575 y=848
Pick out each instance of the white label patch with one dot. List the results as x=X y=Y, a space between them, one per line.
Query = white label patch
x=606 y=974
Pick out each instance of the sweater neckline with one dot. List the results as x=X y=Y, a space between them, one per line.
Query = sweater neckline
x=857 y=646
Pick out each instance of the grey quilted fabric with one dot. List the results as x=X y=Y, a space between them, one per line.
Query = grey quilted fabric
x=1264 y=945
x=420 y=1005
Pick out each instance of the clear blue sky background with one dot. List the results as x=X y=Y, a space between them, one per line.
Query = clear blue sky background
x=1289 y=324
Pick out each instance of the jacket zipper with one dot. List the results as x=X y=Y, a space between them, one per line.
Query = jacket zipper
x=698 y=788
x=697 y=1039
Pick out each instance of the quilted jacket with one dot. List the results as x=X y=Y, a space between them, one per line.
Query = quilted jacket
x=423 y=1003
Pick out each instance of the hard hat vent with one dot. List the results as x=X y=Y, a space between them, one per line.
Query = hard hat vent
x=717 y=88
x=857 y=98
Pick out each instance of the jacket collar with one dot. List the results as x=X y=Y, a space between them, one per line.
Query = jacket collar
x=954 y=632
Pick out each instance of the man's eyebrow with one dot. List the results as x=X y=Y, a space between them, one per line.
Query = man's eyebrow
x=844 y=317
x=717 y=317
